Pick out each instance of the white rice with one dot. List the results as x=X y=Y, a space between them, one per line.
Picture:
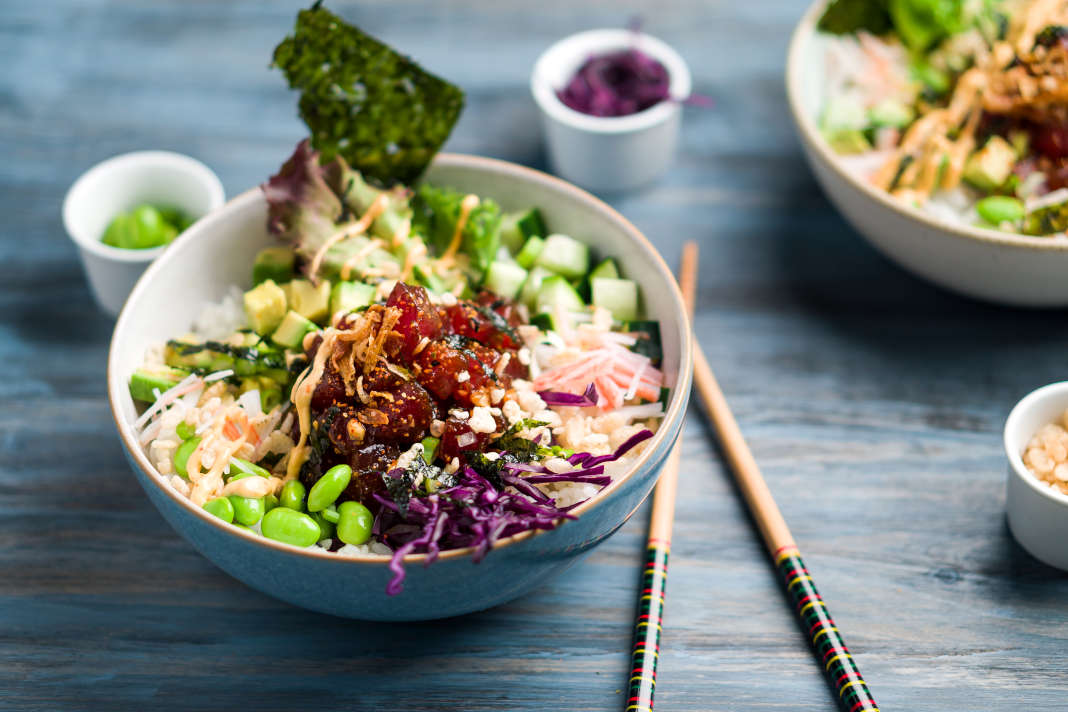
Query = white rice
x=219 y=320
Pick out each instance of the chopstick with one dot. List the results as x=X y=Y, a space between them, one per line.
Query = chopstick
x=648 y=625
x=816 y=622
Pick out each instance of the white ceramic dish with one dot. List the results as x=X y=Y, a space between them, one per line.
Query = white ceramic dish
x=608 y=153
x=1038 y=514
x=985 y=264
x=217 y=252
x=119 y=184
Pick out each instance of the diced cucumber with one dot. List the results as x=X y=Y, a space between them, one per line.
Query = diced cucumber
x=505 y=279
x=565 y=256
x=424 y=275
x=275 y=263
x=607 y=269
x=145 y=381
x=350 y=296
x=518 y=227
x=309 y=300
x=619 y=296
x=550 y=321
x=556 y=293
x=290 y=333
x=529 y=254
x=529 y=293
x=265 y=305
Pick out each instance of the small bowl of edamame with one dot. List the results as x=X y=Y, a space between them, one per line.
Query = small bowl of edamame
x=123 y=212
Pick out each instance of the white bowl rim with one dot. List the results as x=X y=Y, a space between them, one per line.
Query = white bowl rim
x=1014 y=451
x=170 y=159
x=605 y=39
x=794 y=70
x=676 y=410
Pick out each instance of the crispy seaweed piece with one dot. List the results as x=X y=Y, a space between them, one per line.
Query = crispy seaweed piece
x=379 y=110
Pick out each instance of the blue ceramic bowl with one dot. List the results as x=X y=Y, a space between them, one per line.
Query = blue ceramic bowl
x=216 y=253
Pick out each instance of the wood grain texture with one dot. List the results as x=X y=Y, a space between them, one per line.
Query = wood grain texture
x=872 y=402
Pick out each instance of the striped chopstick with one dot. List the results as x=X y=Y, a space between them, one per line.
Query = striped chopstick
x=649 y=623
x=816 y=622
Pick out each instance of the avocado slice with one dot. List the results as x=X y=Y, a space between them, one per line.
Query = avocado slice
x=309 y=300
x=290 y=333
x=265 y=305
x=145 y=381
x=350 y=296
x=275 y=263
x=847 y=141
x=890 y=112
x=989 y=168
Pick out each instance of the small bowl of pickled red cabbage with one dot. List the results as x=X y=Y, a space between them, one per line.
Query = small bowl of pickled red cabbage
x=611 y=106
x=123 y=212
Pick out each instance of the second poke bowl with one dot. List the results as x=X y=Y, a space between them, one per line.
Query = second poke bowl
x=923 y=166
x=386 y=421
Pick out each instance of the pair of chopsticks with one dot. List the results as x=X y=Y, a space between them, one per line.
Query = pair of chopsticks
x=833 y=655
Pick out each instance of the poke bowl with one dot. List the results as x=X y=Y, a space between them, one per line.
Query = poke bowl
x=983 y=220
x=393 y=570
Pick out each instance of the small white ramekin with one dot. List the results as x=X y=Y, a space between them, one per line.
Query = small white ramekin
x=119 y=184
x=608 y=153
x=1038 y=514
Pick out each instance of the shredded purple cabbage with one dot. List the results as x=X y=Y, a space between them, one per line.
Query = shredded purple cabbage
x=617 y=84
x=475 y=513
x=585 y=400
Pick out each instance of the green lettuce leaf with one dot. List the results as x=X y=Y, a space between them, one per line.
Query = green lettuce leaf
x=436 y=211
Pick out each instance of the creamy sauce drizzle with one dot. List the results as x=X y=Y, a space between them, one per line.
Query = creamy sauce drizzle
x=302 y=396
x=348 y=231
x=469 y=203
x=352 y=262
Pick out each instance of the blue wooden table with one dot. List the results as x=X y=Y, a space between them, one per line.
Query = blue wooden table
x=873 y=402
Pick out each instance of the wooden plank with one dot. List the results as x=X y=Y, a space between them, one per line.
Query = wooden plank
x=861 y=390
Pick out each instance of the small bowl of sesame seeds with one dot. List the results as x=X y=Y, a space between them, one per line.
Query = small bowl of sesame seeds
x=1036 y=442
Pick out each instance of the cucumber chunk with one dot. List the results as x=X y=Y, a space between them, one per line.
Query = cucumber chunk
x=529 y=254
x=619 y=296
x=290 y=333
x=565 y=256
x=556 y=293
x=505 y=279
x=529 y=293
x=607 y=269
x=274 y=263
x=518 y=227
x=145 y=381
x=350 y=296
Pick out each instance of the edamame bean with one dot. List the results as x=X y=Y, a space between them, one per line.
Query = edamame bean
x=181 y=456
x=292 y=495
x=290 y=527
x=238 y=465
x=221 y=507
x=247 y=510
x=999 y=208
x=326 y=527
x=269 y=502
x=354 y=525
x=329 y=487
x=185 y=430
x=330 y=514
